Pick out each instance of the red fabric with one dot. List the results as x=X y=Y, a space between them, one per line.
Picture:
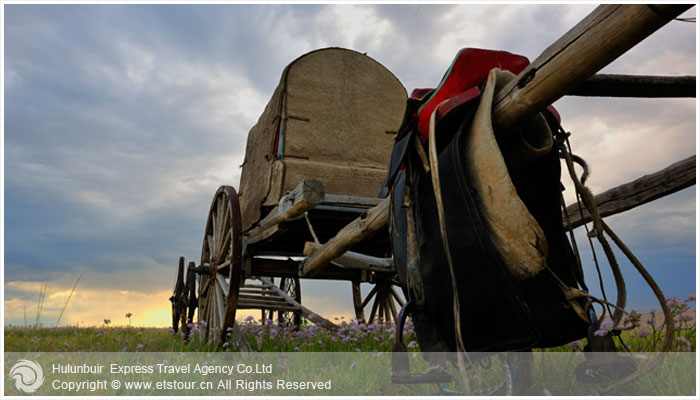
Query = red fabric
x=469 y=69
x=419 y=93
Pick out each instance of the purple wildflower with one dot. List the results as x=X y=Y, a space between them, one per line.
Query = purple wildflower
x=128 y=315
x=644 y=333
x=604 y=328
x=577 y=345
x=139 y=347
x=675 y=302
x=686 y=316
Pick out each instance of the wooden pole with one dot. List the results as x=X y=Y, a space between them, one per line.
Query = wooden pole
x=605 y=34
x=351 y=259
x=671 y=179
x=605 y=85
x=361 y=228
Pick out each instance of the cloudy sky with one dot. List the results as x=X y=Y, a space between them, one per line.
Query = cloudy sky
x=120 y=121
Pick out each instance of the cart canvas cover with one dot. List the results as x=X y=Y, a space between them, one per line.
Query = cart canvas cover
x=332 y=117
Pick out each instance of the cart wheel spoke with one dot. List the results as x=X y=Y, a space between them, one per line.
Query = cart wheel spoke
x=220 y=305
x=221 y=255
x=292 y=287
x=383 y=298
x=369 y=297
x=223 y=285
x=225 y=248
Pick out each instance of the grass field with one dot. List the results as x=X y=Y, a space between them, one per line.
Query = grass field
x=646 y=337
x=671 y=378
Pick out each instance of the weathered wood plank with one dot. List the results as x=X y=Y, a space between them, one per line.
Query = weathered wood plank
x=268 y=305
x=259 y=297
x=361 y=228
x=307 y=195
x=605 y=85
x=352 y=201
x=351 y=259
x=605 y=34
x=671 y=179
x=308 y=314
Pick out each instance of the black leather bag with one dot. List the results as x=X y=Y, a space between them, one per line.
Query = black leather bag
x=495 y=311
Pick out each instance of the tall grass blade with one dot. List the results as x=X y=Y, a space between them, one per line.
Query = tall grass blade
x=68 y=299
x=42 y=298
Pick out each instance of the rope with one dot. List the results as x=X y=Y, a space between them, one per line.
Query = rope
x=311 y=228
x=597 y=232
x=668 y=317
x=584 y=176
x=600 y=227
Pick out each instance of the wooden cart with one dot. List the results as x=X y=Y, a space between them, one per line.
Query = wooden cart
x=316 y=159
x=315 y=162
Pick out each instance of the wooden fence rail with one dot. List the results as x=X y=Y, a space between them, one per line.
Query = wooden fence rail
x=671 y=179
x=605 y=85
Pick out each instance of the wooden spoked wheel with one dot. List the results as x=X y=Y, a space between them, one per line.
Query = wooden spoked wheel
x=220 y=269
x=292 y=287
x=179 y=305
x=383 y=300
x=184 y=298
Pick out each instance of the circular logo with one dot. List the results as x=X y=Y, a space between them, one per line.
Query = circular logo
x=28 y=375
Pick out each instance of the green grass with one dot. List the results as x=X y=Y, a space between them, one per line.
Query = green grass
x=647 y=336
x=670 y=378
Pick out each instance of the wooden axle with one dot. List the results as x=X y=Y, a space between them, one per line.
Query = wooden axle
x=671 y=179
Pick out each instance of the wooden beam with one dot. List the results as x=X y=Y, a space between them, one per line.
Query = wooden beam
x=351 y=259
x=671 y=179
x=307 y=195
x=308 y=314
x=361 y=228
x=605 y=85
x=605 y=34
x=290 y=269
